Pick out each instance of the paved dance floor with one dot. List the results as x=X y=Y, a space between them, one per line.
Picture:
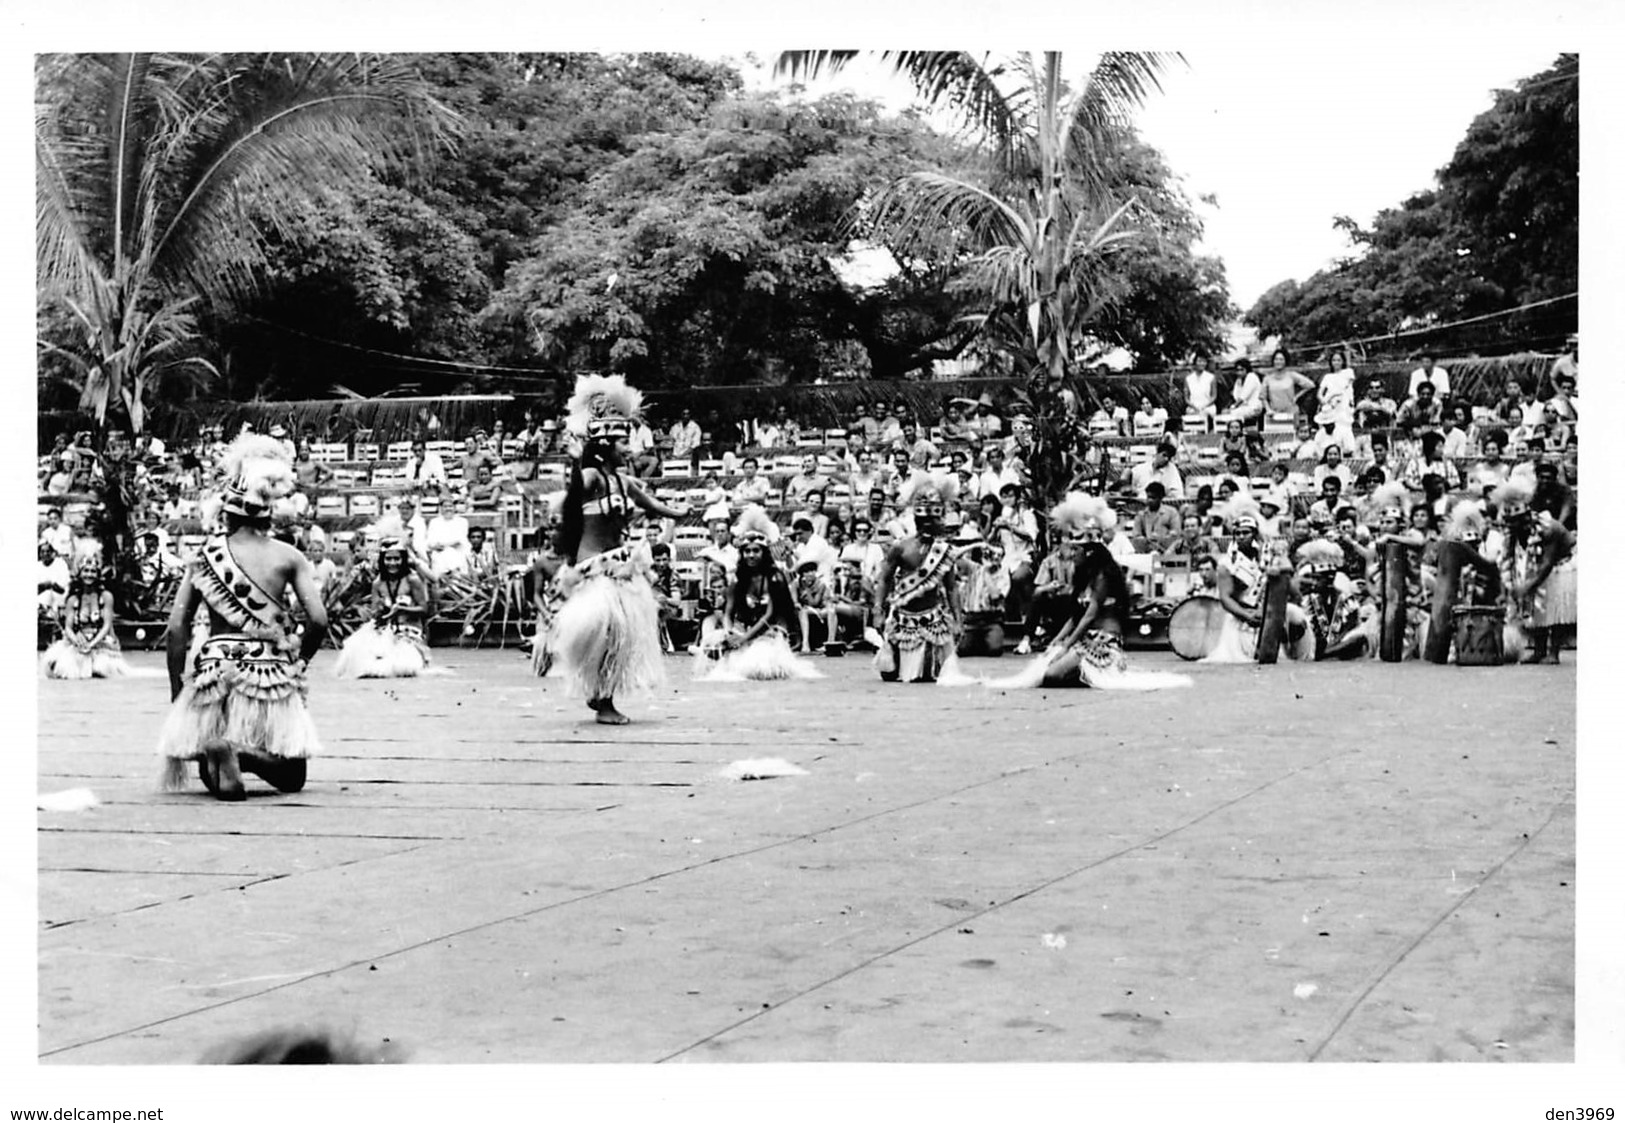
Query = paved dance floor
x=1294 y=863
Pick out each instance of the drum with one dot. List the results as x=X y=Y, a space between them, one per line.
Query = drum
x=1478 y=635
x=1194 y=627
x=1272 y=631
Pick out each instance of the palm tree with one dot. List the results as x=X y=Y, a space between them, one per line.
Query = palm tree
x=158 y=179
x=1032 y=241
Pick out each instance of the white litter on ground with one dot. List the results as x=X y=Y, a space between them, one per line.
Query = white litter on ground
x=764 y=768
x=1304 y=990
x=1051 y=940
x=74 y=799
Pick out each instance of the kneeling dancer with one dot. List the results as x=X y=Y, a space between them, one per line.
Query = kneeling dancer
x=1242 y=571
x=390 y=644
x=242 y=707
x=917 y=587
x=1088 y=650
x=606 y=634
x=88 y=648
x=757 y=613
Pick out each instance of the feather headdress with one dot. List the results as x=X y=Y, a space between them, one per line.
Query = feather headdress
x=1319 y=555
x=944 y=484
x=1392 y=498
x=1079 y=512
x=603 y=405
x=755 y=524
x=1519 y=487
x=1466 y=521
x=256 y=471
x=1241 y=511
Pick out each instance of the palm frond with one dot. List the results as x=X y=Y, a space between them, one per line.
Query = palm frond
x=1118 y=84
x=928 y=205
x=1086 y=238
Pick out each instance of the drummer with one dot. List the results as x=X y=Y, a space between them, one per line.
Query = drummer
x=1241 y=580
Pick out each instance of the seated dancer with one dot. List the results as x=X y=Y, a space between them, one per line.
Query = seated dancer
x=606 y=633
x=390 y=644
x=1331 y=602
x=1537 y=572
x=758 y=612
x=243 y=708
x=917 y=593
x=1241 y=591
x=1088 y=651
x=88 y=648
x=1392 y=503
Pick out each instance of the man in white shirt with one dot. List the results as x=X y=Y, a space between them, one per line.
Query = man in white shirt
x=321 y=566
x=53 y=579
x=1161 y=469
x=446 y=538
x=644 y=457
x=1246 y=392
x=810 y=546
x=1110 y=419
x=1430 y=371
x=753 y=487
x=414 y=530
x=685 y=437
x=58 y=533
x=992 y=479
x=795 y=491
x=425 y=468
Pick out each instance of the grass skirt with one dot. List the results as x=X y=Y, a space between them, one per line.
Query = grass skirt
x=918 y=645
x=246 y=690
x=768 y=658
x=63 y=660
x=1561 y=602
x=1238 y=642
x=1101 y=665
x=393 y=651
x=607 y=637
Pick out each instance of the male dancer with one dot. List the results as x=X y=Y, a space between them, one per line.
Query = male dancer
x=243 y=706
x=917 y=592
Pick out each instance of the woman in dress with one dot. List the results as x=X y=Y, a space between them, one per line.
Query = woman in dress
x=88 y=648
x=1088 y=650
x=758 y=613
x=606 y=633
x=1283 y=386
x=390 y=644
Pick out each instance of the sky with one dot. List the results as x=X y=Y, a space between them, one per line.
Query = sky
x=1286 y=144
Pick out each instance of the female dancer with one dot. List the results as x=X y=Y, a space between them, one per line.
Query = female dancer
x=390 y=644
x=88 y=648
x=1088 y=651
x=1537 y=573
x=606 y=634
x=757 y=612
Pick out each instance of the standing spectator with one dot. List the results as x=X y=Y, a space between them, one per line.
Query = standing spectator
x=1161 y=470
x=310 y=474
x=1017 y=530
x=685 y=439
x=323 y=570
x=1336 y=390
x=1430 y=372
x=1553 y=496
x=1156 y=525
x=1283 y=386
x=1202 y=390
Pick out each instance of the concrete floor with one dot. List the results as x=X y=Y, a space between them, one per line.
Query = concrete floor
x=1294 y=863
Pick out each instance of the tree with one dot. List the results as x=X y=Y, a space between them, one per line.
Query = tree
x=146 y=166
x=1031 y=241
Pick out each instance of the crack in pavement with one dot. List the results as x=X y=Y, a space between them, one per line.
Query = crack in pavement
x=1405 y=952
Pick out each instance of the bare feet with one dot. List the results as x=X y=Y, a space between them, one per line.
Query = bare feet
x=609 y=715
x=220 y=759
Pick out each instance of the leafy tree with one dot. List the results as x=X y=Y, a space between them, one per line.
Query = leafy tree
x=1031 y=240
x=145 y=166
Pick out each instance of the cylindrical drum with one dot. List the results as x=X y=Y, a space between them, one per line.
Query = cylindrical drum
x=1194 y=627
x=1396 y=572
x=1277 y=587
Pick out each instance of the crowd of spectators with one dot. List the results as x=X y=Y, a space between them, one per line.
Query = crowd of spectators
x=1312 y=450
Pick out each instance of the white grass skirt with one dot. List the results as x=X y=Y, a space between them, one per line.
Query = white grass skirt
x=768 y=658
x=374 y=652
x=63 y=660
x=607 y=638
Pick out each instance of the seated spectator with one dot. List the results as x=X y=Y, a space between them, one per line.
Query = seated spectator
x=997 y=473
x=446 y=539
x=865 y=549
x=814 y=509
x=411 y=527
x=891 y=427
x=1054 y=602
x=483 y=492
x=668 y=602
x=850 y=603
x=1150 y=419
x=1419 y=413
x=1554 y=435
x=1458 y=420
x=1432 y=462
x=1240 y=441
x=863 y=421
x=920 y=449
x=643 y=448
x=1561 y=403
x=1236 y=473
x=984 y=584
x=809 y=546
x=323 y=569
x=475 y=454
x=1110 y=420
x=987 y=422
x=811 y=595
x=1331 y=464
x=53 y=576
x=1305 y=445
x=797 y=487
x=955 y=426
x=753 y=487
x=1331 y=497
x=720 y=551
x=1274 y=514
x=1156 y=525
x=58 y=534
x=1193 y=540
x=482 y=550
x=60 y=480
x=1281 y=480
x=1016 y=529
x=1376 y=410
x=1159 y=469
x=1552 y=496
x=1246 y=395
